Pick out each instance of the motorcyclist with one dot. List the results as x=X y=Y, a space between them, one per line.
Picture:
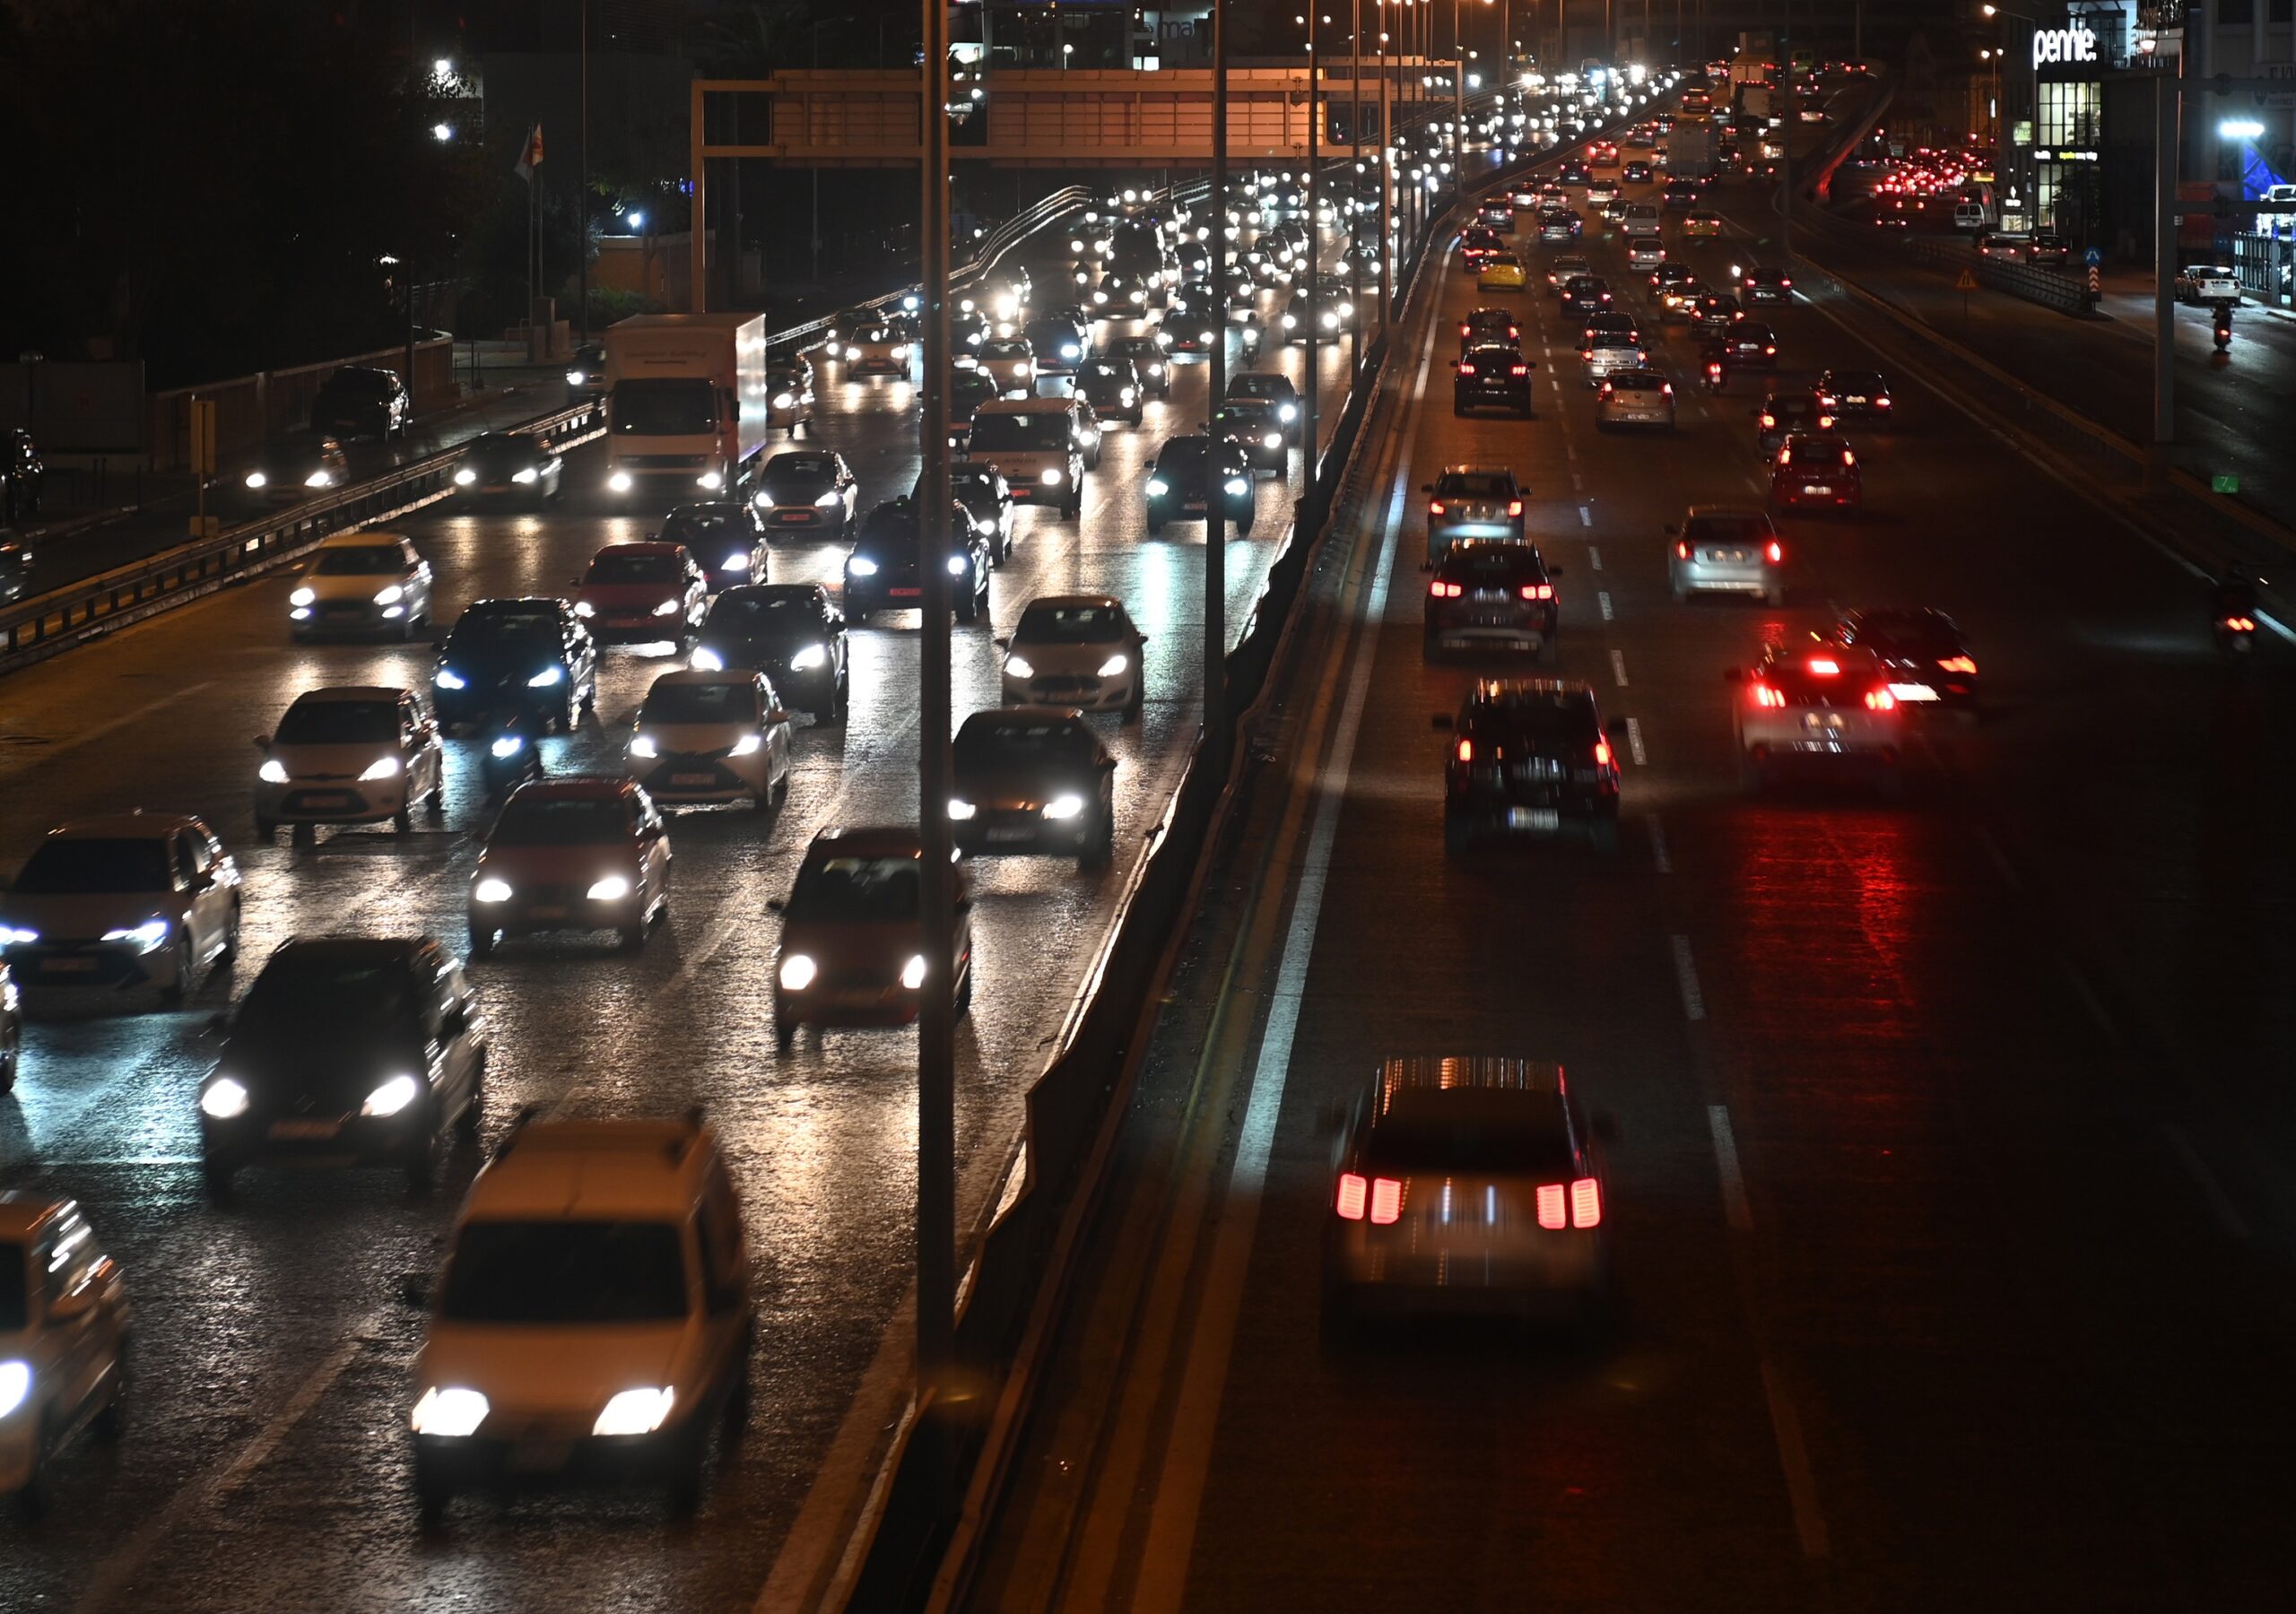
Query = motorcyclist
x=1714 y=359
x=2234 y=594
x=511 y=757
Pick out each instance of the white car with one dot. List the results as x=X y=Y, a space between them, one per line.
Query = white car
x=1042 y=445
x=1076 y=650
x=127 y=903
x=353 y=754
x=1608 y=353
x=361 y=582
x=593 y=1320
x=1824 y=709
x=710 y=738
x=1635 y=397
x=883 y=348
x=63 y=1319
x=1645 y=252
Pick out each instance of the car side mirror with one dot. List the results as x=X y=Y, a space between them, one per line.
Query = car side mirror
x=71 y=1309
x=1441 y=720
x=414 y=1290
x=774 y=905
x=1733 y=675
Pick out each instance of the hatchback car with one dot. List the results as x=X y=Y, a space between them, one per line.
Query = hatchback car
x=355 y=1050
x=808 y=490
x=1584 y=294
x=1500 y=272
x=1011 y=361
x=1644 y=252
x=1182 y=483
x=297 y=466
x=1033 y=778
x=1825 y=710
x=1482 y=326
x=129 y=902
x=1560 y=226
x=586 y=378
x=1465 y=1182
x=1761 y=283
x=1112 y=387
x=851 y=951
x=1076 y=650
x=361 y=401
x=1782 y=414
x=1725 y=548
x=64 y=1327
x=1490 y=594
x=711 y=739
x=354 y=754
x=642 y=593
x=1815 y=468
x=1148 y=363
x=1751 y=345
x=1701 y=224
x=881 y=347
x=1635 y=397
x=1854 y=395
x=1563 y=270
x=1637 y=172
x=729 y=537
x=882 y=568
x=509 y=466
x=593 y=1322
x=1529 y=758
x=571 y=855
x=1473 y=501
x=365 y=581
x=1921 y=648
x=1279 y=392
x=534 y=657
x=789 y=393
x=1714 y=313
x=1492 y=376
x=792 y=632
x=1250 y=424
x=1041 y=445
x=1607 y=354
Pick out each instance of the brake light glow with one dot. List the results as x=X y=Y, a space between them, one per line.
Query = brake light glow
x=1538 y=590
x=1682 y=549
x=1550 y=1205
x=1769 y=348
x=1879 y=701
x=1768 y=421
x=2240 y=624
x=1466 y=750
x=1824 y=667
x=1762 y=695
x=1434 y=507
x=1882 y=402
x=1465 y=369
x=1514 y=507
x=1386 y=1201
x=1848 y=458
x=1825 y=400
x=1601 y=753
x=1667 y=388
x=1520 y=369
x=1776 y=552
x=1958 y=663
x=1586 y=1202
x=1440 y=590
x=1353 y=1191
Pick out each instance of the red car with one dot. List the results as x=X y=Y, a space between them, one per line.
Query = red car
x=1815 y=468
x=851 y=952
x=638 y=593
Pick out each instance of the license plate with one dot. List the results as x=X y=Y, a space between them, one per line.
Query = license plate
x=904 y=594
x=540 y=1455
x=305 y=1130
x=1194 y=507
x=1913 y=691
x=693 y=778
x=67 y=966
x=854 y=997
x=1821 y=722
x=1853 y=400
x=546 y=913
x=1816 y=488
x=792 y=516
x=321 y=803
x=1534 y=818
x=495 y=487
x=1011 y=832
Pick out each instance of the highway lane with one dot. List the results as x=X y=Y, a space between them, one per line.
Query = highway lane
x=271 y=1373
x=1951 y=1238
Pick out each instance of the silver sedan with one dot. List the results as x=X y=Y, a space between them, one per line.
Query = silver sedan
x=1725 y=548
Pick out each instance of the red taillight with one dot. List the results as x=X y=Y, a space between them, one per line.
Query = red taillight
x=1440 y=590
x=1776 y=552
x=1465 y=369
x=1434 y=507
x=1586 y=1203
x=1586 y=354
x=1958 y=663
x=1767 y=422
x=1667 y=388
x=1770 y=348
x=1465 y=329
x=1762 y=695
x=1882 y=402
x=1550 y=1205
x=1386 y=1200
x=1824 y=667
x=2240 y=624
x=1520 y=369
x=1514 y=507
x=1681 y=551
x=1353 y=1191
x=1879 y=701
x=1538 y=590
x=1601 y=753
x=1466 y=750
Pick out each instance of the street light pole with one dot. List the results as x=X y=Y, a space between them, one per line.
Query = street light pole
x=582 y=178
x=1387 y=172
x=1215 y=490
x=936 y=1140
x=1315 y=248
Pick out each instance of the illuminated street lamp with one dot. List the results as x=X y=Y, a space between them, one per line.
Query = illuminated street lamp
x=442 y=131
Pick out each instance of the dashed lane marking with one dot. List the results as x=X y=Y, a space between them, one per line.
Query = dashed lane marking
x=1794 y=1456
x=1585 y=516
x=1660 y=857
x=1603 y=598
x=1686 y=977
x=1618 y=667
x=1634 y=745
x=1593 y=557
x=1734 y=1209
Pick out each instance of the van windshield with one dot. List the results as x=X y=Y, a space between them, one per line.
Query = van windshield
x=566 y=1272
x=667 y=406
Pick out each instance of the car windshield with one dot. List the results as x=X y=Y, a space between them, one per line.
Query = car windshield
x=372 y=383
x=746 y=613
x=1536 y=721
x=686 y=524
x=1474 y=484
x=800 y=467
x=316 y=993
x=499 y=449
x=1006 y=350
x=1473 y=1131
x=504 y=637
x=1612 y=339
x=95 y=866
x=664 y=406
x=855 y=888
x=1797 y=404
x=1037 y=432
x=1010 y=743
x=360 y=561
x=700 y=703
x=561 y=822
x=566 y=1272
x=1854 y=381
x=1817 y=453
x=340 y=722
x=611 y=569
x=1070 y=625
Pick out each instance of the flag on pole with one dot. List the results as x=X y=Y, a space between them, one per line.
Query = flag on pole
x=530 y=155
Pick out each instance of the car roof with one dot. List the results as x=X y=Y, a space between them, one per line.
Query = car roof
x=879 y=840
x=1477 y=471
x=1025 y=406
x=578 y=787
x=593 y=1170
x=654 y=548
x=137 y=825
x=1075 y=601
x=347 y=693
x=23 y=1216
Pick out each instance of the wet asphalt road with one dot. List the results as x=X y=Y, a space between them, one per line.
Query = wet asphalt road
x=266 y=1457
x=1951 y=1206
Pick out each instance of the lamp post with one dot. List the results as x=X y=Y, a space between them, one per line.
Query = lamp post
x=1315 y=251
x=1215 y=517
x=1355 y=190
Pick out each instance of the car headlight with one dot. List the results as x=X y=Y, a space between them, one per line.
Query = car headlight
x=738 y=561
x=961 y=809
x=809 y=658
x=256 y=479
x=983 y=524
x=146 y=936
x=507 y=745
x=635 y=1412
x=1237 y=486
x=1115 y=664
x=642 y=745
x=958 y=564
x=392 y=1097
x=1205 y=336
x=710 y=481
x=797 y=972
x=273 y=772
x=15 y=1385
x=583 y=608
x=446 y=677
x=785 y=400
x=303 y=596
x=613 y=888
x=853 y=352
x=381 y=768
x=389 y=595
x=546 y=677
x=1156 y=369
x=223 y=1099
x=1158 y=487
x=666 y=608
x=1049 y=476
x=901 y=350
x=1274 y=440
x=619 y=481
x=1019 y=666
x=912 y=974
x=746 y=746
x=1063 y=807
x=575 y=378
x=449 y=1411
x=528 y=475
x=706 y=661
x=319 y=479
x=860 y=566
x=490 y=888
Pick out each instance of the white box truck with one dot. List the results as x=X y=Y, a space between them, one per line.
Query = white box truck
x=1691 y=151
x=685 y=404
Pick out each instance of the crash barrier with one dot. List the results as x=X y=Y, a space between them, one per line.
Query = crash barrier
x=49 y=623
x=1067 y=1109
x=249 y=409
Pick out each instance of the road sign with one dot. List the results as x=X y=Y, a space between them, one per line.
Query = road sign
x=203 y=436
x=2093 y=256
x=1968 y=282
x=2096 y=280
x=2223 y=482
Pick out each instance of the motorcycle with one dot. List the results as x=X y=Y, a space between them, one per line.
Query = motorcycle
x=2232 y=621
x=1717 y=376
x=511 y=757
x=2223 y=325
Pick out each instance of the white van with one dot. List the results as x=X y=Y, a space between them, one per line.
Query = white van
x=1641 y=220
x=1968 y=215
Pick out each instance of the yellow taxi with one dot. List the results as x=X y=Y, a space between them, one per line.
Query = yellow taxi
x=1500 y=272
x=1697 y=224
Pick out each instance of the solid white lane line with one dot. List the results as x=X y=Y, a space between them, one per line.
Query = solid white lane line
x=2228 y=1217
x=1734 y=1209
x=1585 y=516
x=1187 y=1456
x=1603 y=598
x=1593 y=557
x=1794 y=1457
x=1571 y=450
x=1634 y=742
x=1659 y=856
x=1618 y=667
x=1686 y=977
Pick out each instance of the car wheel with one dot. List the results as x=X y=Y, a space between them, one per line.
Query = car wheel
x=420 y=1166
x=172 y=994
x=37 y=1494
x=691 y=1476
x=112 y=1422
x=215 y=1176
x=785 y=1030
x=482 y=943
x=467 y=1123
x=1154 y=527
x=633 y=936
x=12 y=1054
x=1099 y=851
x=265 y=829
x=432 y=1494
x=435 y=805
x=968 y=607
x=303 y=834
x=781 y=792
x=403 y=820
x=230 y=950
x=964 y=995
x=843 y=702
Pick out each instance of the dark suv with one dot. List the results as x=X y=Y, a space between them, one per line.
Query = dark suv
x=1529 y=757
x=1180 y=486
x=882 y=572
x=356 y=401
x=1487 y=594
x=1492 y=376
